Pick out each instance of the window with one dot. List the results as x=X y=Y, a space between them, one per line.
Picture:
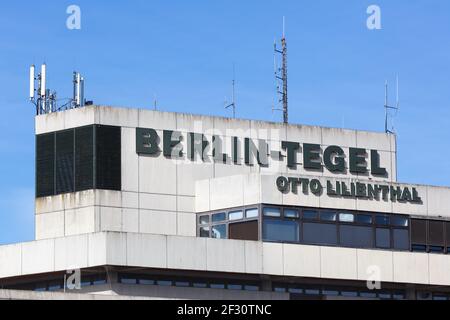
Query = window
x=310 y=215
x=347 y=217
x=251 y=213
x=272 y=212
x=204 y=220
x=364 y=219
x=356 y=237
x=320 y=233
x=383 y=238
x=399 y=221
x=291 y=213
x=234 y=287
x=204 y=232
x=281 y=230
x=401 y=239
x=436 y=249
x=147 y=282
x=382 y=220
x=436 y=233
x=247 y=230
x=328 y=216
x=219 y=231
x=236 y=215
x=419 y=248
x=219 y=217
x=418 y=232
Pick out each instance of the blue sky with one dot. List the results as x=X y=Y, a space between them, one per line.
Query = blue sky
x=184 y=51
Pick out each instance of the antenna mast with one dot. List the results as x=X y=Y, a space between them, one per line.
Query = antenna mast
x=233 y=93
x=388 y=107
x=281 y=76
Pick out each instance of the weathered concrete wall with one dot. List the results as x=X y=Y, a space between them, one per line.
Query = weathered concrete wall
x=202 y=254
x=158 y=194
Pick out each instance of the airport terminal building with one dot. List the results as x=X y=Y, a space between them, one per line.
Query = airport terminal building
x=157 y=205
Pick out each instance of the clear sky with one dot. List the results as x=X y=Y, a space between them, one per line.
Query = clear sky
x=184 y=51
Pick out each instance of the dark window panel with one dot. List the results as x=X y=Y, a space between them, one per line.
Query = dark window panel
x=356 y=236
x=436 y=233
x=84 y=158
x=108 y=158
x=244 y=231
x=401 y=239
x=281 y=230
x=419 y=232
x=383 y=238
x=45 y=165
x=318 y=233
x=65 y=162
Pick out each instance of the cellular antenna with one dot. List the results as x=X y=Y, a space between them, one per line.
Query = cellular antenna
x=281 y=76
x=233 y=94
x=45 y=100
x=387 y=107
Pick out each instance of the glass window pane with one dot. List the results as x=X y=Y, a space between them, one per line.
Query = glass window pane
x=182 y=284
x=364 y=219
x=251 y=288
x=401 y=239
x=219 y=232
x=347 y=217
x=219 y=217
x=234 y=287
x=204 y=220
x=318 y=233
x=291 y=213
x=419 y=248
x=436 y=249
x=310 y=215
x=382 y=220
x=236 y=215
x=204 y=232
x=200 y=285
x=272 y=212
x=281 y=230
x=383 y=238
x=252 y=213
x=164 y=283
x=217 y=286
x=356 y=236
x=328 y=216
x=399 y=221
x=146 y=282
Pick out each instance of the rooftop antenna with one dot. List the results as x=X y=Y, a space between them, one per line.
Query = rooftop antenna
x=388 y=107
x=281 y=76
x=43 y=99
x=233 y=94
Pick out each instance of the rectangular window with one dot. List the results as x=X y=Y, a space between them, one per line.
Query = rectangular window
x=436 y=233
x=252 y=213
x=244 y=231
x=401 y=239
x=320 y=234
x=219 y=217
x=364 y=219
x=436 y=249
x=204 y=220
x=383 y=238
x=419 y=231
x=310 y=215
x=328 y=216
x=382 y=220
x=272 y=212
x=204 y=232
x=281 y=230
x=236 y=215
x=291 y=214
x=356 y=236
x=399 y=221
x=219 y=232
x=347 y=217
x=419 y=248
